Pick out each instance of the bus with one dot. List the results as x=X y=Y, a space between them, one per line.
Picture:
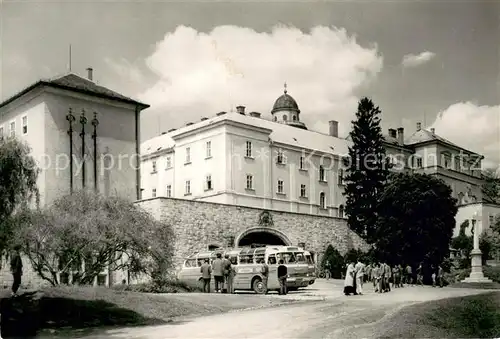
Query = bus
x=246 y=262
x=311 y=267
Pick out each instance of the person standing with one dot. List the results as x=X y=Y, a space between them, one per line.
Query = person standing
x=349 y=281
x=396 y=276
x=265 y=273
x=217 y=269
x=359 y=270
x=226 y=267
x=206 y=275
x=420 y=275
x=409 y=275
x=328 y=272
x=16 y=268
x=440 y=276
x=282 y=275
x=376 y=273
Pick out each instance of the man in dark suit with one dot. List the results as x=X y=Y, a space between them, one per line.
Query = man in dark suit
x=282 y=275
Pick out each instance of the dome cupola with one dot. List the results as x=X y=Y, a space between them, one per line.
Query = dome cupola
x=286 y=111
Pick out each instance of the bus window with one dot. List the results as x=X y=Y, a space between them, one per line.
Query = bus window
x=271 y=260
x=200 y=262
x=190 y=263
x=309 y=259
x=233 y=260
x=246 y=259
x=259 y=258
x=299 y=257
x=287 y=257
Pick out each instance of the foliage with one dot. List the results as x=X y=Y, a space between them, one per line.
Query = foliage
x=353 y=255
x=416 y=220
x=367 y=170
x=84 y=232
x=18 y=175
x=167 y=286
x=336 y=261
x=463 y=243
x=491 y=186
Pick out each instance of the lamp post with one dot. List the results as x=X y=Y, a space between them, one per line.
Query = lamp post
x=476 y=273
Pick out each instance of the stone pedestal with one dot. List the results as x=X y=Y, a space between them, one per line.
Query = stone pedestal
x=476 y=273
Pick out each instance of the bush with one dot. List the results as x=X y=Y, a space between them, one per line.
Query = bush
x=170 y=286
x=456 y=275
x=492 y=272
x=336 y=261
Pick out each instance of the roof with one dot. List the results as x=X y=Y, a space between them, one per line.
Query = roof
x=285 y=102
x=76 y=83
x=281 y=133
x=422 y=136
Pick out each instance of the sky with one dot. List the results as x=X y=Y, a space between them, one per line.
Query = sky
x=434 y=62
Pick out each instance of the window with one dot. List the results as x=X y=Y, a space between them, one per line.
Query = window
x=271 y=260
x=12 y=129
x=280 y=186
x=168 y=192
x=322 y=202
x=208 y=182
x=302 y=163
x=275 y=118
x=341 y=176
x=419 y=162
x=249 y=182
x=169 y=162
x=341 y=211
x=209 y=149
x=154 y=193
x=492 y=220
x=294 y=118
x=303 y=191
x=188 y=155
x=284 y=117
x=279 y=159
x=322 y=173
x=1 y=132
x=153 y=170
x=188 y=188
x=249 y=149
x=25 y=125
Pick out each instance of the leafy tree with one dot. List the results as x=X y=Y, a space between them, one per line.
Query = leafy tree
x=463 y=243
x=491 y=186
x=366 y=170
x=416 y=220
x=84 y=232
x=336 y=261
x=18 y=175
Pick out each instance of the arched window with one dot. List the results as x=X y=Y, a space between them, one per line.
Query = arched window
x=322 y=200
x=284 y=117
x=275 y=118
x=213 y=247
x=294 y=118
x=341 y=211
x=321 y=173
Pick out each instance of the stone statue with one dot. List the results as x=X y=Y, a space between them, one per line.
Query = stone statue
x=265 y=219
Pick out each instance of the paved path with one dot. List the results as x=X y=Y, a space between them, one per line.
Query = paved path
x=329 y=314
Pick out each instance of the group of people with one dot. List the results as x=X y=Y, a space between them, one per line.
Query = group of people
x=382 y=275
x=223 y=271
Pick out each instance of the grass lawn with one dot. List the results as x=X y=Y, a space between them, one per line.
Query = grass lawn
x=466 y=317
x=69 y=308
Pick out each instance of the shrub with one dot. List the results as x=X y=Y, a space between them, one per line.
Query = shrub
x=166 y=286
x=492 y=272
x=336 y=261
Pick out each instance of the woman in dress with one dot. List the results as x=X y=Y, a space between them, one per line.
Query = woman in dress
x=349 y=281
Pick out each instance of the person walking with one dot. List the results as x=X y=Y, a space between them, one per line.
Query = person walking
x=420 y=275
x=409 y=275
x=350 y=280
x=376 y=273
x=16 y=268
x=440 y=276
x=328 y=272
x=282 y=275
x=206 y=275
x=226 y=266
x=217 y=269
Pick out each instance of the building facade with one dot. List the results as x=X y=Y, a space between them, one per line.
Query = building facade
x=277 y=163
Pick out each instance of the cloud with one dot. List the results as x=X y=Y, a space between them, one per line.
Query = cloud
x=201 y=74
x=473 y=127
x=126 y=70
x=414 y=60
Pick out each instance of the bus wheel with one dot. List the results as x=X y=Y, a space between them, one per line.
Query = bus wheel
x=258 y=287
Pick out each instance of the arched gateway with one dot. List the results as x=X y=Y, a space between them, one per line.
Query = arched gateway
x=262 y=236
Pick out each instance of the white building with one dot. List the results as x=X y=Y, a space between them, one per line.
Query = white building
x=278 y=164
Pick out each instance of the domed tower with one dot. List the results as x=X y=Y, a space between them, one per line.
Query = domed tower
x=286 y=111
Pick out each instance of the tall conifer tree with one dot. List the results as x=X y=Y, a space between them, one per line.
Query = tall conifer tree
x=366 y=170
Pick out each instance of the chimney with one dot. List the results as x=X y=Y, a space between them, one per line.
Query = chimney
x=419 y=126
x=401 y=135
x=171 y=130
x=162 y=133
x=189 y=124
x=255 y=114
x=392 y=132
x=334 y=128
x=89 y=73
x=433 y=130
x=220 y=113
x=203 y=119
x=240 y=110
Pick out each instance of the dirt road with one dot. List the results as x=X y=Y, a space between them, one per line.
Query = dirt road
x=329 y=314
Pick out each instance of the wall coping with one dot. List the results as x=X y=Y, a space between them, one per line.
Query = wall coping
x=241 y=206
x=479 y=203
